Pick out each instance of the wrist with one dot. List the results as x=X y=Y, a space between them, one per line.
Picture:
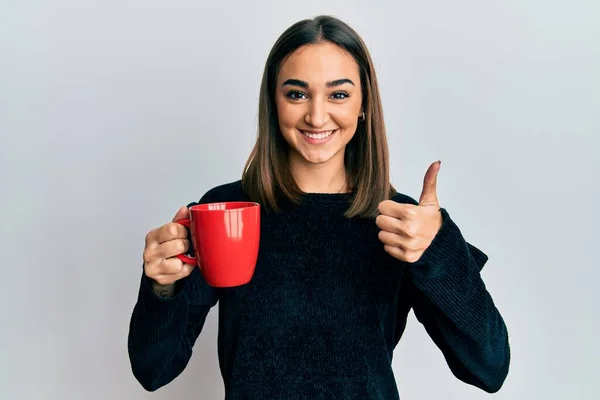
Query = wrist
x=163 y=291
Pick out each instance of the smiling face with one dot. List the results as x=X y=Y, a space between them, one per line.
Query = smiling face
x=318 y=98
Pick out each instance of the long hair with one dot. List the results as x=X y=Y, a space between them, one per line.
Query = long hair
x=267 y=174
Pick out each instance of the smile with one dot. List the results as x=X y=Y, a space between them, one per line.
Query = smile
x=318 y=135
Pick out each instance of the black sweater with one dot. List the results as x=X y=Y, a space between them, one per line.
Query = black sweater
x=325 y=309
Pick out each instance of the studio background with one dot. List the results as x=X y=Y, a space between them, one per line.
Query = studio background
x=113 y=114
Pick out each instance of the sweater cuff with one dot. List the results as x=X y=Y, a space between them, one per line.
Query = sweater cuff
x=160 y=306
x=448 y=255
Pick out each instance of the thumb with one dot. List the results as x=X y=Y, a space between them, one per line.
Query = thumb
x=429 y=193
x=183 y=212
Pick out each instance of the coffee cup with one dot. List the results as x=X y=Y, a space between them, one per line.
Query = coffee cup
x=225 y=238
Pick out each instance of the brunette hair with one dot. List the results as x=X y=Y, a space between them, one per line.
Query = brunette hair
x=267 y=175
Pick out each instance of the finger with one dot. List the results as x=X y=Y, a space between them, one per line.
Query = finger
x=171 y=231
x=167 y=279
x=391 y=239
x=169 y=266
x=390 y=224
x=151 y=237
x=186 y=270
x=397 y=210
x=429 y=193
x=183 y=212
x=171 y=248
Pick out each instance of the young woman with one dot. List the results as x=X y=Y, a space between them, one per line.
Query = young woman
x=343 y=257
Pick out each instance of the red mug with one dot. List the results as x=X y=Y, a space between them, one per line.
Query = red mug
x=225 y=237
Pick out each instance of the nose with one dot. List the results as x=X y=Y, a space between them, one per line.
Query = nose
x=317 y=114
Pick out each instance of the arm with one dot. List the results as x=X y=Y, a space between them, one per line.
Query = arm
x=163 y=330
x=165 y=323
x=450 y=299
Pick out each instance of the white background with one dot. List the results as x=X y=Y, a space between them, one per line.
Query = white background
x=113 y=114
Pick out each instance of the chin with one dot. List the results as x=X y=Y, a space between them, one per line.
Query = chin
x=318 y=158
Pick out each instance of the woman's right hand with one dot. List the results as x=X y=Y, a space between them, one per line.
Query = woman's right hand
x=162 y=245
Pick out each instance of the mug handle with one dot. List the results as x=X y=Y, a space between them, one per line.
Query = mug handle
x=188 y=260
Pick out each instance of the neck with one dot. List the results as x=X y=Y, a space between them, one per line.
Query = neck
x=329 y=177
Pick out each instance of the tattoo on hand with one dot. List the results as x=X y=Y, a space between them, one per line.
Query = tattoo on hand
x=164 y=290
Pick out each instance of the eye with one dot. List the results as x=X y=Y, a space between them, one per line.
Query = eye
x=341 y=95
x=295 y=95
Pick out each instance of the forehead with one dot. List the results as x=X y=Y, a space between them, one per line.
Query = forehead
x=318 y=64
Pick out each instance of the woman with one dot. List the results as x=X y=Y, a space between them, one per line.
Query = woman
x=343 y=257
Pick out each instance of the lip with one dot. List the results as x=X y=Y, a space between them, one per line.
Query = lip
x=317 y=132
x=318 y=141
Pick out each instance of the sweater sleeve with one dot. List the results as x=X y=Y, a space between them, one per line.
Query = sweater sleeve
x=162 y=331
x=450 y=299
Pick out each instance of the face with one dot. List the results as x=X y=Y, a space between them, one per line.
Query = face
x=318 y=97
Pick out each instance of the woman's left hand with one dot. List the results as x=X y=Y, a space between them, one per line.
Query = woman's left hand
x=407 y=230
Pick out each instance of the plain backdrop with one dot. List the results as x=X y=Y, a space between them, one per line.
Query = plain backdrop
x=113 y=114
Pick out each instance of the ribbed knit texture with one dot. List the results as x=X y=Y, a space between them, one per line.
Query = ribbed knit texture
x=325 y=309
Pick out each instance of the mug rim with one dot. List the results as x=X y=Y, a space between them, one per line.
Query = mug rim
x=237 y=205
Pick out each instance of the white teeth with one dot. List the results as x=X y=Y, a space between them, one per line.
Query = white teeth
x=317 y=136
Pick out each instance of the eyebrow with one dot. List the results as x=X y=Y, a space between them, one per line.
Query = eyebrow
x=303 y=84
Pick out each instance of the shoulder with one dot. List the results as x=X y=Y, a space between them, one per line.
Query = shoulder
x=231 y=191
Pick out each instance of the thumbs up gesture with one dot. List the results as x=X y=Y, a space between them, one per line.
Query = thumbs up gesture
x=407 y=230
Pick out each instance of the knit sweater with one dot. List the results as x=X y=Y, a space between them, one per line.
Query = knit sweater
x=325 y=309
